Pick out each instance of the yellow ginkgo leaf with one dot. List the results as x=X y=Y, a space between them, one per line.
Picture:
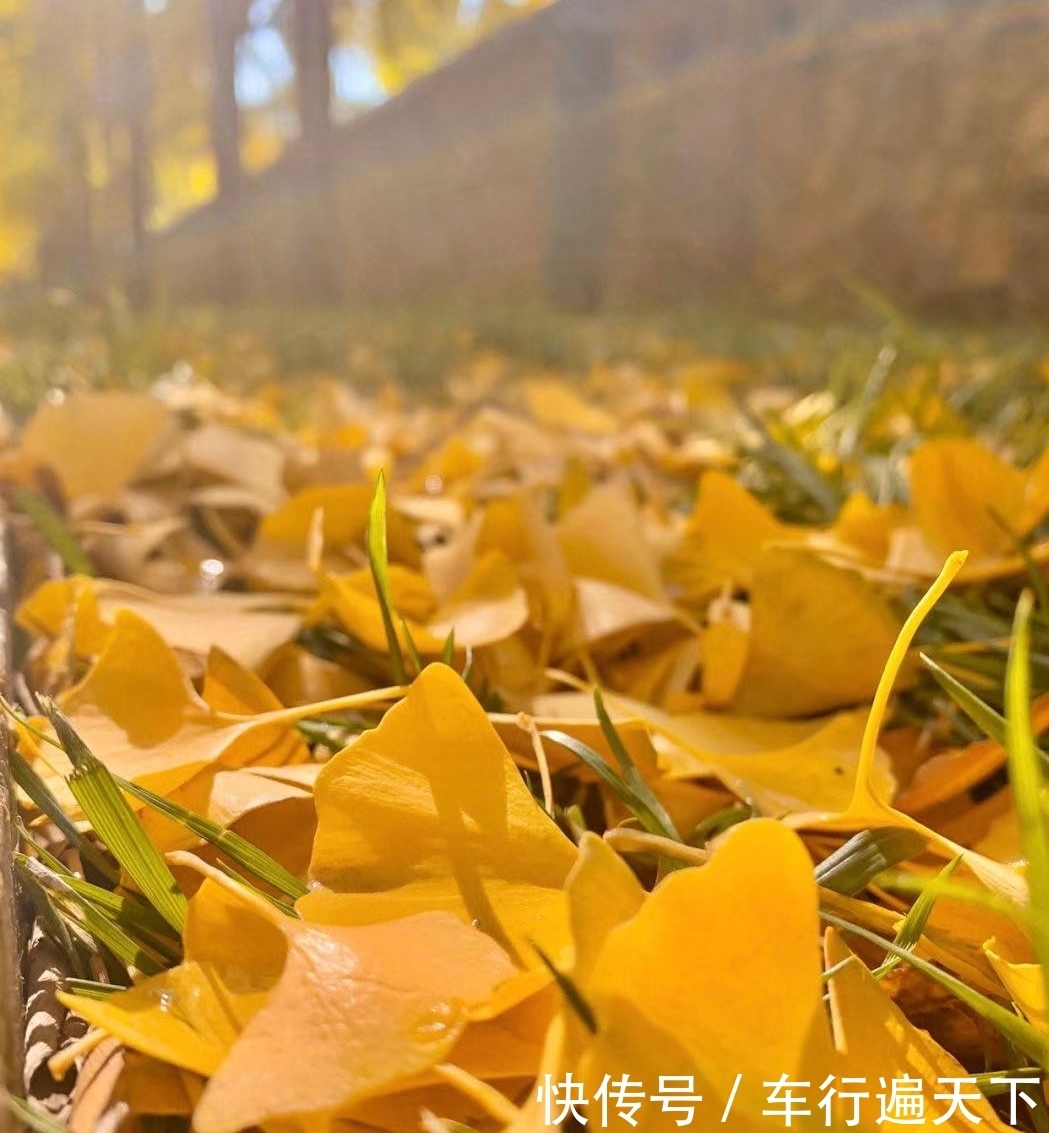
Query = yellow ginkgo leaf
x=516 y=527
x=140 y=716
x=875 y=1041
x=295 y=1022
x=794 y=766
x=603 y=537
x=1022 y=979
x=75 y=436
x=298 y=676
x=724 y=647
x=455 y=460
x=248 y=626
x=610 y=614
x=230 y=688
x=344 y=509
x=603 y=893
x=67 y=608
x=255 y=464
x=669 y=999
x=956 y=485
x=190 y=1016
x=711 y=990
x=428 y=811
x=136 y=684
x=356 y=1012
x=556 y=405
x=351 y=600
x=963 y=495
x=277 y=817
x=818 y=640
x=336 y=515
x=724 y=538
x=870 y=806
x=489 y=606
x=866 y=527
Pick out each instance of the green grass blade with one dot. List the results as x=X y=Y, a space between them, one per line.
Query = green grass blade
x=235 y=847
x=609 y=776
x=794 y=465
x=53 y=529
x=30 y=1116
x=413 y=649
x=36 y=789
x=631 y=775
x=991 y=723
x=1025 y=774
x=913 y=925
x=573 y=996
x=856 y=863
x=54 y=923
x=448 y=652
x=240 y=879
x=378 y=560
x=718 y=822
x=134 y=916
x=90 y=989
x=974 y=895
x=1022 y=548
x=126 y=949
x=990 y=1089
x=1018 y=1031
x=117 y=825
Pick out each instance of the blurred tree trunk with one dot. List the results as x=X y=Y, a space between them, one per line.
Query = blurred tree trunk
x=225 y=24
x=312 y=42
x=64 y=203
x=581 y=200
x=137 y=100
x=312 y=32
x=225 y=20
x=68 y=240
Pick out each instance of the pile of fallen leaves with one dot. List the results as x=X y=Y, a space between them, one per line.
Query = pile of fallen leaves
x=553 y=754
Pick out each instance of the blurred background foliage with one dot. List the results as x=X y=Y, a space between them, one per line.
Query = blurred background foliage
x=119 y=116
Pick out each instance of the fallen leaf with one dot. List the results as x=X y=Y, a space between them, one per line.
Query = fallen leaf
x=818 y=640
x=557 y=406
x=723 y=539
x=799 y=767
x=428 y=811
x=957 y=487
x=248 y=626
x=603 y=537
x=140 y=716
x=1023 y=980
x=74 y=436
x=489 y=606
x=364 y=1009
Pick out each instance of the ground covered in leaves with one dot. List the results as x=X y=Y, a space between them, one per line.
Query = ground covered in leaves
x=654 y=743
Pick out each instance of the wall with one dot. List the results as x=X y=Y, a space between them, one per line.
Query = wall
x=650 y=150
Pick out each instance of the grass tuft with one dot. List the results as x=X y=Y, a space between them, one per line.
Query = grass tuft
x=117 y=825
x=379 y=562
x=1025 y=773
